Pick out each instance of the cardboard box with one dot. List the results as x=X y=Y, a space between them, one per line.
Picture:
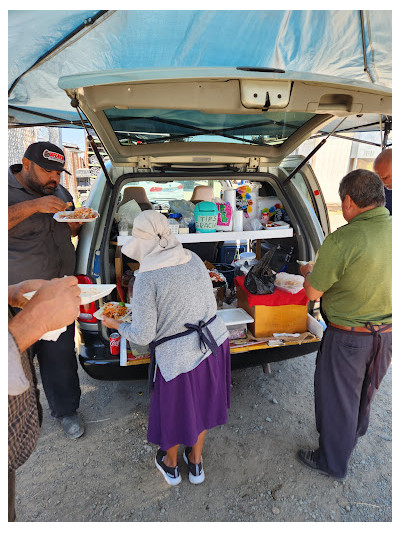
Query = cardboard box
x=275 y=318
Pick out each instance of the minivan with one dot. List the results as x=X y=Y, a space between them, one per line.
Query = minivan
x=168 y=131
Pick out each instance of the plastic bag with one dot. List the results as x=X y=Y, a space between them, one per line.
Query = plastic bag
x=261 y=278
x=184 y=207
x=129 y=212
x=252 y=224
x=289 y=282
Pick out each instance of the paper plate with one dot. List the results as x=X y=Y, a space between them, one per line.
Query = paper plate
x=89 y=293
x=275 y=225
x=99 y=313
x=60 y=217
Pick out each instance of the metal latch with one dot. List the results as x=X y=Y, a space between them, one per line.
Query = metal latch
x=254 y=162
x=144 y=162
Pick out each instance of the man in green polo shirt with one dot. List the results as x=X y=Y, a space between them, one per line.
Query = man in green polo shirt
x=353 y=272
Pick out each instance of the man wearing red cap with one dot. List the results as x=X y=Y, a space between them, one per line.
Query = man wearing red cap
x=41 y=248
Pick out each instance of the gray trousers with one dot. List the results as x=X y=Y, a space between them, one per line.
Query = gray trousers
x=347 y=375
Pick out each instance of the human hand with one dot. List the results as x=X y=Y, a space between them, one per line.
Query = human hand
x=16 y=292
x=111 y=323
x=75 y=227
x=305 y=269
x=55 y=305
x=50 y=204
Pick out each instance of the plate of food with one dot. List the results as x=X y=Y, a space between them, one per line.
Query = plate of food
x=117 y=310
x=81 y=214
x=89 y=293
x=218 y=279
x=275 y=225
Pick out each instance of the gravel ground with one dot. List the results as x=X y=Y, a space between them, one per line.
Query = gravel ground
x=108 y=475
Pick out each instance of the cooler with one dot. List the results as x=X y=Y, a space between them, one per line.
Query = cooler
x=279 y=312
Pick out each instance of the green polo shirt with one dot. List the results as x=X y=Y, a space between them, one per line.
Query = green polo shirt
x=354 y=270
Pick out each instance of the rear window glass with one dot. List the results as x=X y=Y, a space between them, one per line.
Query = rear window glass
x=162 y=193
x=146 y=126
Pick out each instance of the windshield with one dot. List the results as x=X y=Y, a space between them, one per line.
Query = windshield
x=145 y=126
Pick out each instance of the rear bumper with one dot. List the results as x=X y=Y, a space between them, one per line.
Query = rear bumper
x=96 y=360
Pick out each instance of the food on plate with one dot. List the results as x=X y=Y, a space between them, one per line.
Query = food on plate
x=216 y=278
x=81 y=212
x=115 y=310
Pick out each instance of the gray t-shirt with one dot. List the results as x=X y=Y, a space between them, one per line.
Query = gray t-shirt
x=38 y=247
x=163 y=301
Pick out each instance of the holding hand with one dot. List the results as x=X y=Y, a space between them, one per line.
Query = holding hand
x=16 y=292
x=58 y=302
x=50 y=204
x=111 y=323
x=55 y=305
x=305 y=269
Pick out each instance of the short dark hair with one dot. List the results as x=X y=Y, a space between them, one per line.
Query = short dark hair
x=364 y=187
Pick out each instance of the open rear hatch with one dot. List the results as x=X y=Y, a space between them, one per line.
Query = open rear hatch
x=147 y=118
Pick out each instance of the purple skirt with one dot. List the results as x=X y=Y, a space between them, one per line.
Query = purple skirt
x=182 y=408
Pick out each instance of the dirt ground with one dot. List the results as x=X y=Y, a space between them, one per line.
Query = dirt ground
x=108 y=475
x=252 y=474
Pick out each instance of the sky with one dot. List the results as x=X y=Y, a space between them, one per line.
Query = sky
x=74 y=136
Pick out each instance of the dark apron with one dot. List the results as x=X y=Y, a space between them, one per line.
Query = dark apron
x=205 y=337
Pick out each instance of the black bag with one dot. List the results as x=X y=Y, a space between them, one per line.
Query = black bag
x=260 y=278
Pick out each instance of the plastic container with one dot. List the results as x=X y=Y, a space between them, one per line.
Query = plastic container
x=249 y=258
x=247 y=199
x=227 y=251
x=236 y=321
x=123 y=226
x=227 y=271
x=206 y=217
x=173 y=222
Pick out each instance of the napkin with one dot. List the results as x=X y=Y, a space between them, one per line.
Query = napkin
x=53 y=335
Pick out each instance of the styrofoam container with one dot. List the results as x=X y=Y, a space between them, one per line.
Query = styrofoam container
x=236 y=321
x=232 y=317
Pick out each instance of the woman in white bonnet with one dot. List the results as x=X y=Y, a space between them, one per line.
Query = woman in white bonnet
x=174 y=310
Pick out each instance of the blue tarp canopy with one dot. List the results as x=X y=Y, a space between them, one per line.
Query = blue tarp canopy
x=45 y=45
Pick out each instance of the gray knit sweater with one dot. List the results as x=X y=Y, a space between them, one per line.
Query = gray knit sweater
x=163 y=301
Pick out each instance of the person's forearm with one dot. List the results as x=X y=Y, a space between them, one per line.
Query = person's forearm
x=25 y=330
x=19 y=212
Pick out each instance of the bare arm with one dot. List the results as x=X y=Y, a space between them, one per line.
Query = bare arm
x=46 y=204
x=311 y=293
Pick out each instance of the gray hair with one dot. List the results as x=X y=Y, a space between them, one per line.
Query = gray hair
x=364 y=187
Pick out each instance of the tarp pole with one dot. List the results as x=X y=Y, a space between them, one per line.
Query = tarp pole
x=75 y=104
x=307 y=158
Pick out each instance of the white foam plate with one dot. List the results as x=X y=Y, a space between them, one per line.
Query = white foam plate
x=60 y=217
x=89 y=293
x=275 y=225
x=231 y=317
x=99 y=313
